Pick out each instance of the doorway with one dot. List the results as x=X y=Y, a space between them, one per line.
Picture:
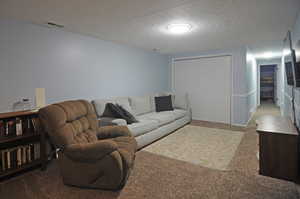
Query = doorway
x=268 y=86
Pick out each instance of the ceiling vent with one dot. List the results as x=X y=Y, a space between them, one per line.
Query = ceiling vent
x=54 y=25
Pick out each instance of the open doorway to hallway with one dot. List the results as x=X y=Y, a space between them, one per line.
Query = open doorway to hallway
x=268 y=84
x=268 y=96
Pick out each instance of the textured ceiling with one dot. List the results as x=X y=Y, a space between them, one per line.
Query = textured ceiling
x=218 y=24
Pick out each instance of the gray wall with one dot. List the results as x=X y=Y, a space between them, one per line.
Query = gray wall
x=71 y=66
x=239 y=108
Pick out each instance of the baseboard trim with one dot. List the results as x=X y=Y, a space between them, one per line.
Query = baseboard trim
x=201 y=122
x=239 y=125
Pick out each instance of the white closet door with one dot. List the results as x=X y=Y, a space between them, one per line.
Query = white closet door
x=207 y=81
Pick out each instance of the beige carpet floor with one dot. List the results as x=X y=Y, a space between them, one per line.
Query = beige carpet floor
x=266 y=108
x=208 y=147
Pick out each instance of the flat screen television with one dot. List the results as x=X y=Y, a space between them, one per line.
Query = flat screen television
x=292 y=69
x=297 y=63
x=291 y=64
x=289 y=73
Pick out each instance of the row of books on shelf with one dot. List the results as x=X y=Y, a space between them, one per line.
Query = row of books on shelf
x=18 y=126
x=18 y=156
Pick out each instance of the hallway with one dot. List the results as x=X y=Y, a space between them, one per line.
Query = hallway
x=266 y=108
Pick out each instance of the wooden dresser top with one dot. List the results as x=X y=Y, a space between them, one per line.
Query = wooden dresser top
x=276 y=124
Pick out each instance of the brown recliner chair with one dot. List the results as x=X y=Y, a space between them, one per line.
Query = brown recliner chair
x=90 y=156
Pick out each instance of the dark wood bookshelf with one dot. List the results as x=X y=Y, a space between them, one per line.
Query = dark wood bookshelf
x=13 y=141
x=23 y=168
x=10 y=115
x=30 y=136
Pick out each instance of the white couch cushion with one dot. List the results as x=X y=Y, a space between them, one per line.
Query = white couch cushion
x=162 y=117
x=142 y=127
x=107 y=121
x=140 y=105
x=177 y=113
x=119 y=122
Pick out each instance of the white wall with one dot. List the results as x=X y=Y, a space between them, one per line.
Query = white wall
x=239 y=84
x=252 y=83
x=295 y=39
x=286 y=90
x=71 y=66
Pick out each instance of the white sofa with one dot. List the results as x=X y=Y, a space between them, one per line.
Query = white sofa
x=152 y=125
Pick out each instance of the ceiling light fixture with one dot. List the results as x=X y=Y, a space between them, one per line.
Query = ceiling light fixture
x=287 y=52
x=268 y=55
x=179 y=28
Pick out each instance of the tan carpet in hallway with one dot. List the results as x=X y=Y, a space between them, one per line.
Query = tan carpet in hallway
x=160 y=177
x=266 y=108
x=208 y=147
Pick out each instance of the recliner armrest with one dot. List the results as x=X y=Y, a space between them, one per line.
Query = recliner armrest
x=90 y=152
x=113 y=131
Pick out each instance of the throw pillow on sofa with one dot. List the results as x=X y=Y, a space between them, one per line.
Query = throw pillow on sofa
x=163 y=103
x=129 y=117
x=114 y=111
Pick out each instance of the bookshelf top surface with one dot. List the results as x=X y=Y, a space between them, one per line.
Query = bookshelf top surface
x=17 y=114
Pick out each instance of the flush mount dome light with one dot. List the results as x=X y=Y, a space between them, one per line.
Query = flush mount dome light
x=268 y=55
x=179 y=28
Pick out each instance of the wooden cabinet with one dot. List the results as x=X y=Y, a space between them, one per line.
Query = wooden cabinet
x=278 y=148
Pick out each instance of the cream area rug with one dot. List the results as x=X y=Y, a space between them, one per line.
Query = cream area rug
x=208 y=147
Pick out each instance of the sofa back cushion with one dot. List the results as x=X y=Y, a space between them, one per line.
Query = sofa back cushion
x=70 y=122
x=141 y=105
x=100 y=104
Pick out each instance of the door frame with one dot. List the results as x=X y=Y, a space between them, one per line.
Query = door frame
x=258 y=81
x=174 y=59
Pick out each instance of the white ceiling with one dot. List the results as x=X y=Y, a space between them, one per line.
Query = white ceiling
x=218 y=24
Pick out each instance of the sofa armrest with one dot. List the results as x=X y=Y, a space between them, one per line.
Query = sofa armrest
x=181 y=101
x=108 y=121
x=90 y=152
x=112 y=132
